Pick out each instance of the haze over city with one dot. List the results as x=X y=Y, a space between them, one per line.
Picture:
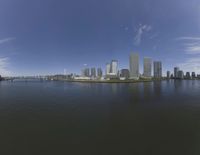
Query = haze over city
x=46 y=37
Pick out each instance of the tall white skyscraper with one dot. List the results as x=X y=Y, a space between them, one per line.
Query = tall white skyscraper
x=157 y=65
x=114 y=67
x=134 y=65
x=147 y=67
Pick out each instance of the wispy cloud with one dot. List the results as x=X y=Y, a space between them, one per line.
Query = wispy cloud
x=193 y=49
x=4 y=61
x=3 y=66
x=6 y=40
x=191 y=64
x=191 y=45
x=154 y=36
x=139 y=33
x=188 y=38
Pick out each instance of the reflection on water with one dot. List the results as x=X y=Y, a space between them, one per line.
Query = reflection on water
x=41 y=117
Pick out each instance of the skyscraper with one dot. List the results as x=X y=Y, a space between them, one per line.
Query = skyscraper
x=108 y=68
x=187 y=75
x=99 y=72
x=157 y=65
x=134 y=66
x=193 y=75
x=168 y=74
x=176 y=69
x=114 y=67
x=93 y=72
x=147 y=67
x=86 y=72
x=180 y=74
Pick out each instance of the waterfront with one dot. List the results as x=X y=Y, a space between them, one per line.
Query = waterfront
x=52 y=117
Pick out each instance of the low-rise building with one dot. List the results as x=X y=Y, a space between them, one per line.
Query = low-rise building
x=81 y=78
x=124 y=73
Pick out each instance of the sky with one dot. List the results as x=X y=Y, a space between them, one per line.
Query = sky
x=40 y=37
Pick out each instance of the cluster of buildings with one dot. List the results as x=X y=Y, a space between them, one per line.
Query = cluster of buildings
x=92 y=73
x=151 y=69
x=112 y=70
x=179 y=74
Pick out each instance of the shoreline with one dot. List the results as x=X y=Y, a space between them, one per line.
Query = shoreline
x=111 y=81
x=105 y=81
x=120 y=81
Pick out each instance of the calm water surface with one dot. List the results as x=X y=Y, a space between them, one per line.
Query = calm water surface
x=82 y=118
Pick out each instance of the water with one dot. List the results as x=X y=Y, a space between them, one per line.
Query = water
x=86 y=118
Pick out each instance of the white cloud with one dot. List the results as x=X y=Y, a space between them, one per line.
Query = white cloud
x=6 y=40
x=140 y=31
x=3 y=67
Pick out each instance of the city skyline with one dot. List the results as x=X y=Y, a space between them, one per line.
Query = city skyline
x=44 y=38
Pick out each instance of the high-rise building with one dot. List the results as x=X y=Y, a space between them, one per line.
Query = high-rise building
x=147 y=67
x=99 y=72
x=114 y=67
x=108 y=68
x=134 y=66
x=93 y=72
x=157 y=65
x=124 y=73
x=176 y=69
x=86 y=72
x=193 y=75
x=187 y=76
x=180 y=74
x=168 y=74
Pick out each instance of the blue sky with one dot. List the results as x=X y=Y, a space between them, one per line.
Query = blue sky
x=48 y=36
